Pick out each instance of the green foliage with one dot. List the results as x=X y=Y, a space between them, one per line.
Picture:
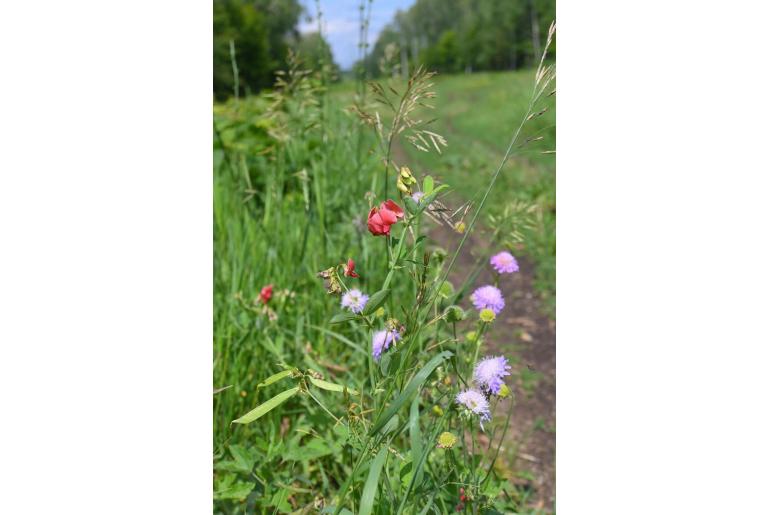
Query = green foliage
x=321 y=426
x=457 y=35
x=261 y=32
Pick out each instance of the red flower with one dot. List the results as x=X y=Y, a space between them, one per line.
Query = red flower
x=381 y=219
x=266 y=293
x=350 y=269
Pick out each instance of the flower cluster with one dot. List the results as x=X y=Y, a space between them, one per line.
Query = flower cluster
x=382 y=340
x=489 y=372
x=487 y=380
x=504 y=263
x=355 y=300
x=380 y=219
x=266 y=293
x=488 y=297
x=475 y=402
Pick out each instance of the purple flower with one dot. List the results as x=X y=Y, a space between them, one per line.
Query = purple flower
x=417 y=196
x=476 y=403
x=489 y=372
x=382 y=340
x=488 y=297
x=504 y=263
x=354 y=300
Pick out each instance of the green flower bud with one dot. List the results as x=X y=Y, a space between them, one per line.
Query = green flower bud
x=487 y=315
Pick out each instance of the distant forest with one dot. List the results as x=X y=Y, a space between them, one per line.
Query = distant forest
x=453 y=36
x=448 y=36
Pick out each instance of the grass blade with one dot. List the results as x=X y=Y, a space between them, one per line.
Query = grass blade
x=370 y=488
x=265 y=407
x=415 y=435
x=410 y=389
x=332 y=387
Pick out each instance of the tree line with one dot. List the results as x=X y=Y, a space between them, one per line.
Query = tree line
x=454 y=36
x=254 y=38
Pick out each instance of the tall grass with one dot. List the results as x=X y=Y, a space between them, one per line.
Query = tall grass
x=305 y=417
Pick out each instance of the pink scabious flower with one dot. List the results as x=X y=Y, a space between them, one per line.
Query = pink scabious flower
x=489 y=372
x=504 y=263
x=355 y=300
x=488 y=297
x=476 y=403
x=382 y=340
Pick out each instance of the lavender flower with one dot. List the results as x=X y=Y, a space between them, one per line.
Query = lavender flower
x=382 y=340
x=417 y=196
x=354 y=300
x=504 y=263
x=489 y=372
x=488 y=297
x=476 y=403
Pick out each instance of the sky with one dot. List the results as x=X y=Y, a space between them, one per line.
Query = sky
x=341 y=24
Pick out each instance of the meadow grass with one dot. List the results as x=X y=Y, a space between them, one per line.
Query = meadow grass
x=476 y=116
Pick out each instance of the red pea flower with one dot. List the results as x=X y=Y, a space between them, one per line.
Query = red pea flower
x=266 y=293
x=380 y=219
x=350 y=269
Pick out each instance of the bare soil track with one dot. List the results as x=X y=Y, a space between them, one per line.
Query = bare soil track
x=526 y=337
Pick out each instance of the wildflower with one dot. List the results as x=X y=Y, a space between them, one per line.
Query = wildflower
x=488 y=297
x=417 y=196
x=355 y=300
x=350 y=269
x=489 y=372
x=487 y=315
x=382 y=340
x=460 y=227
x=446 y=440
x=504 y=263
x=380 y=219
x=266 y=293
x=475 y=403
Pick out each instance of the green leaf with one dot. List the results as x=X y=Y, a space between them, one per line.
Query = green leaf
x=428 y=198
x=410 y=389
x=265 y=407
x=370 y=488
x=238 y=490
x=375 y=301
x=342 y=317
x=332 y=387
x=427 y=185
x=273 y=378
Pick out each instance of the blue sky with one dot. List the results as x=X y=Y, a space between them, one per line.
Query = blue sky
x=341 y=24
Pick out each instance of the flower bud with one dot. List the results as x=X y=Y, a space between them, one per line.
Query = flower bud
x=446 y=440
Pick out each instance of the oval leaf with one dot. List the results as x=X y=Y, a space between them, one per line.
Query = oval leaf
x=412 y=387
x=332 y=387
x=427 y=185
x=265 y=407
x=370 y=488
x=375 y=301
x=342 y=317
x=273 y=378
